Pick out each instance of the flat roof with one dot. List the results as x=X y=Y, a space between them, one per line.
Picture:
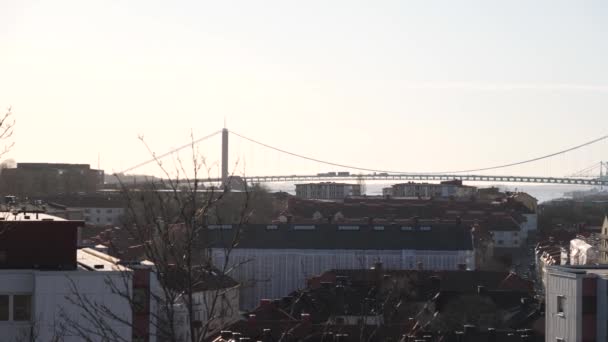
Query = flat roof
x=97 y=261
x=600 y=270
x=27 y=216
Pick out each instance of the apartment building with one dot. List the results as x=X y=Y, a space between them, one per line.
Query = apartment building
x=53 y=289
x=327 y=190
x=40 y=179
x=576 y=300
x=445 y=189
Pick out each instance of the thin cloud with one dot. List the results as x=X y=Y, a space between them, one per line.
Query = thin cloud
x=475 y=86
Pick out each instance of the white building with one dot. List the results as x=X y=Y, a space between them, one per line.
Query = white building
x=444 y=189
x=584 y=251
x=215 y=305
x=270 y=261
x=51 y=288
x=506 y=231
x=327 y=190
x=96 y=209
x=576 y=303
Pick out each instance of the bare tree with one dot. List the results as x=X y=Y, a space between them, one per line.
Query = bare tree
x=170 y=220
x=7 y=123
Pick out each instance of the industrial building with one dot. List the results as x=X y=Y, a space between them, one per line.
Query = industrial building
x=272 y=260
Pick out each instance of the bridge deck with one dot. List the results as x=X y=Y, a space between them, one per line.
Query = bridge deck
x=420 y=177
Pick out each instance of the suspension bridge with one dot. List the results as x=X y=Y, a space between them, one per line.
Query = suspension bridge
x=594 y=175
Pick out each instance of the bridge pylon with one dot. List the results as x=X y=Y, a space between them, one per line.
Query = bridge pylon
x=225 y=134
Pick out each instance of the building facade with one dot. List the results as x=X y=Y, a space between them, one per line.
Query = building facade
x=327 y=190
x=270 y=261
x=576 y=303
x=50 y=287
x=96 y=209
x=604 y=242
x=41 y=179
x=445 y=189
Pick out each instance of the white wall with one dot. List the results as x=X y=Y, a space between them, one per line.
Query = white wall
x=103 y=216
x=224 y=312
x=568 y=326
x=49 y=290
x=274 y=273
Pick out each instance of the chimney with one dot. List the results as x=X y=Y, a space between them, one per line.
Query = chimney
x=327 y=337
x=267 y=335
x=341 y=337
x=305 y=317
x=340 y=299
x=378 y=272
x=226 y=335
x=491 y=335
x=469 y=330
x=436 y=283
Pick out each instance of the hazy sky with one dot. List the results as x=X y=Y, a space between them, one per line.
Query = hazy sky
x=401 y=85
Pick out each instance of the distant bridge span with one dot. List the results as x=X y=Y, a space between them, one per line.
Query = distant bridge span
x=420 y=177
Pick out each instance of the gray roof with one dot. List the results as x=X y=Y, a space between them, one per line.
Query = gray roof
x=437 y=237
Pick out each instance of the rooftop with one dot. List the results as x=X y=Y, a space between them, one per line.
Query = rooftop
x=600 y=270
x=412 y=236
x=27 y=216
x=92 y=260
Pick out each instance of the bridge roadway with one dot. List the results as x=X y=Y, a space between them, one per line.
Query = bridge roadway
x=421 y=177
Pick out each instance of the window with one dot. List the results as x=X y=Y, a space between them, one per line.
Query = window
x=98 y=219
x=109 y=211
x=348 y=227
x=98 y=211
x=500 y=242
x=22 y=307
x=561 y=305
x=3 y=308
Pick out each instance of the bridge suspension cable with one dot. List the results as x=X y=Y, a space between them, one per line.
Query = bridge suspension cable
x=585 y=172
x=404 y=172
x=170 y=152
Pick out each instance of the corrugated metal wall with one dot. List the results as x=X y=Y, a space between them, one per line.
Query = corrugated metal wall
x=274 y=273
